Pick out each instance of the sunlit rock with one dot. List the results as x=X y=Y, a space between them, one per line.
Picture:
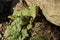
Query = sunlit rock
x=50 y=9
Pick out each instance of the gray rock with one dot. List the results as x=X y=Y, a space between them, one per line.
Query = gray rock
x=50 y=8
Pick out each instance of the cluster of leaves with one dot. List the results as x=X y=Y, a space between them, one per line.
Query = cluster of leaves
x=21 y=24
x=38 y=37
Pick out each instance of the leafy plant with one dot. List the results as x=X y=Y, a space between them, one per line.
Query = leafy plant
x=38 y=37
x=21 y=24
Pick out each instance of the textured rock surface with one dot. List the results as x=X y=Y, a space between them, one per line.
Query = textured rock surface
x=50 y=8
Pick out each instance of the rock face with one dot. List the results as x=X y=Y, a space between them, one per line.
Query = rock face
x=50 y=9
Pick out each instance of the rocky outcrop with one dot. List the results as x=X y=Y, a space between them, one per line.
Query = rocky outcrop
x=50 y=9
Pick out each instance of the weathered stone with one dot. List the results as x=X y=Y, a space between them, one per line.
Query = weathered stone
x=50 y=8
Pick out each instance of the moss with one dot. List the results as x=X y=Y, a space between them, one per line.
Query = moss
x=38 y=38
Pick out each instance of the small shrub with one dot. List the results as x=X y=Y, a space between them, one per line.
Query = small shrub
x=21 y=24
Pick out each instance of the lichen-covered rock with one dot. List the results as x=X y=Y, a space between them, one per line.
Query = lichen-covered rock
x=50 y=9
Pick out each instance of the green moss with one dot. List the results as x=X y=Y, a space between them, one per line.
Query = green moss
x=38 y=38
x=15 y=31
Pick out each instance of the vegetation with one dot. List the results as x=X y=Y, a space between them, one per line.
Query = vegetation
x=39 y=38
x=21 y=24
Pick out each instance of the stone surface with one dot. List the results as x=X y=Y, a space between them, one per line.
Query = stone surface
x=50 y=9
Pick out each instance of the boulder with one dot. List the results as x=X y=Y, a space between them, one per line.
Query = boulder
x=50 y=9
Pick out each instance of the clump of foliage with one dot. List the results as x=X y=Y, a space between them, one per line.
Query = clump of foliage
x=37 y=37
x=21 y=24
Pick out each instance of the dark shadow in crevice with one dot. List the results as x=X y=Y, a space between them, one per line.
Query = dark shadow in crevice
x=6 y=9
x=41 y=18
x=25 y=4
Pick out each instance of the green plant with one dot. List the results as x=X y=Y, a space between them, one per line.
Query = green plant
x=21 y=24
x=38 y=37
